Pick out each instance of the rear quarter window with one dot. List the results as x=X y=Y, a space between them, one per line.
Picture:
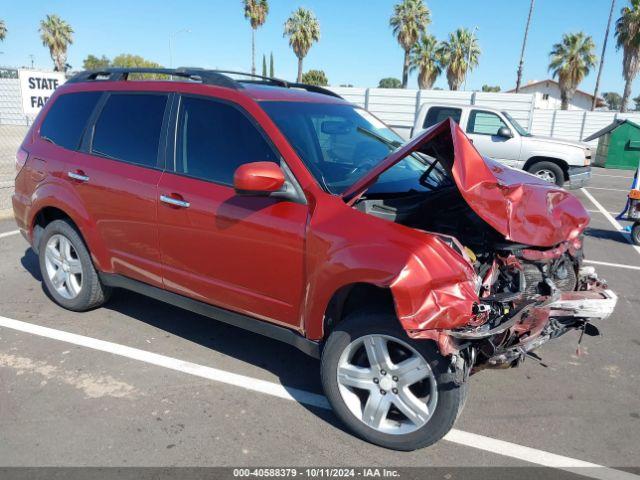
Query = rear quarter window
x=437 y=114
x=67 y=118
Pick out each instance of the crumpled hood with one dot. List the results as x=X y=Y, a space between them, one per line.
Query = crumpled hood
x=520 y=206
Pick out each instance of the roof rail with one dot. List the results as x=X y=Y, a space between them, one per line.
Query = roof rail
x=207 y=77
x=218 y=78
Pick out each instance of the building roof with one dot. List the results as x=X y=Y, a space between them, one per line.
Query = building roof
x=600 y=102
x=609 y=128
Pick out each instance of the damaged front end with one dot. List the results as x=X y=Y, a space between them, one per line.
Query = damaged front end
x=521 y=235
x=525 y=303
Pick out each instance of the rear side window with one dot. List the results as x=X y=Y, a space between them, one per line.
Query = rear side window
x=438 y=114
x=215 y=138
x=128 y=128
x=67 y=118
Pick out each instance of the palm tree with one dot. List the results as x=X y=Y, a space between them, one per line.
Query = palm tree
x=460 y=54
x=303 y=29
x=571 y=61
x=628 y=38
x=256 y=12
x=524 y=46
x=425 y=57
x=604 y=49
x=409 y=20
x=3 y=30
x=57 y=35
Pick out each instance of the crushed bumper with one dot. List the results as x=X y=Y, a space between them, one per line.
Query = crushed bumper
x=542 y=319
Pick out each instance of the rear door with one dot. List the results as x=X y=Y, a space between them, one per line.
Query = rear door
x=243 y=253
x=482 y=129
x=116 y=174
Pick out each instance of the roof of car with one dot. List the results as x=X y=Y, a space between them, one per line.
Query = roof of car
x=257 y=87
x=276 y=93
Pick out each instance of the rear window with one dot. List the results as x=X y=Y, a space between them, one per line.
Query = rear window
x=67 y=118
x=437 y=114
x=129 y=128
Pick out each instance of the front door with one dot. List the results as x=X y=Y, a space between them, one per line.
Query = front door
x=482 y=129
x=243 y=253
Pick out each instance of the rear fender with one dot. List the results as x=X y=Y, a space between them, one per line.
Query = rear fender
x=54 y=193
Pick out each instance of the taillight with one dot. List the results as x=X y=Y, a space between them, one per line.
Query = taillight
x=21 y=159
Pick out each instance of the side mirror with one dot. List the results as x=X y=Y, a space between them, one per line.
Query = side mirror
x=505 y=132
x=258 y=178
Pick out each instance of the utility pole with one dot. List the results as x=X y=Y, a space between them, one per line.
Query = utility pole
x=31 y=58
x=604 y=48
x=524 y=45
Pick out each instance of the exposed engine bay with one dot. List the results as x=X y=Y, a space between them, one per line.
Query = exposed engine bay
x=527 y=294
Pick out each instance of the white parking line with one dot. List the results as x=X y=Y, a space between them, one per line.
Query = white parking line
x=488 y=444
x=612 y=220
x=9 y=234
x=607 y=264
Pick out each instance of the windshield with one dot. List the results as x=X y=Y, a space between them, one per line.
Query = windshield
x=341 y=143
x=519 y=128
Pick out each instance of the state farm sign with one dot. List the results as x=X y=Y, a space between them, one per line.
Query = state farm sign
x=36 y=88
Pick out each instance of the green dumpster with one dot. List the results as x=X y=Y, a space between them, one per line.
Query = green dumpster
x=618 y=145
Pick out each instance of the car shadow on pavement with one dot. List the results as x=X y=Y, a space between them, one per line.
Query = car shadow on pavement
x=604 y=234
x=293 y=368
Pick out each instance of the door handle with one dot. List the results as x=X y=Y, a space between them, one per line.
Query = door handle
x=78 y=175
x=176 y=202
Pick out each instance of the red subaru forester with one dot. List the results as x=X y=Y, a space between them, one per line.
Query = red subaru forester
x=285 y=210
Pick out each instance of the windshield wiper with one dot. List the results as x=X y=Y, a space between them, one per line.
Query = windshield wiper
x=392 y=144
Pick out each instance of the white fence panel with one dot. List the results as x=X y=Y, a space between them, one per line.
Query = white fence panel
x=357 y=96
x=445 y=96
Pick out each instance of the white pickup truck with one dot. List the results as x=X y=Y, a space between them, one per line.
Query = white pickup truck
x=497 y=135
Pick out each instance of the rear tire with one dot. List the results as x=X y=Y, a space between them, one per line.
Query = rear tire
x=635 y=233
x=548 y=171
x=67 y=271
x=410 y=414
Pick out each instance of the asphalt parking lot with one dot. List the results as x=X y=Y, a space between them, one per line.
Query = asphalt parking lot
x=172 y=388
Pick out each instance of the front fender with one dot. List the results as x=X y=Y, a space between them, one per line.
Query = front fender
x=432 y=285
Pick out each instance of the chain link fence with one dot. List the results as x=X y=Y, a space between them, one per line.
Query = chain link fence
x=13 y=127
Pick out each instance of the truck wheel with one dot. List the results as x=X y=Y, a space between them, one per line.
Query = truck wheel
x=67 y=270
x=388 y=389
x=548 y=171
x=635 y=233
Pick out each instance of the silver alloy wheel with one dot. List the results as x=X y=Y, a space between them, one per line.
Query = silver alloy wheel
x=383 y=394
x=64 y=268
x=547 y=175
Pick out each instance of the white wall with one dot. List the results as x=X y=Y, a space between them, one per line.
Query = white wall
x=394 y=106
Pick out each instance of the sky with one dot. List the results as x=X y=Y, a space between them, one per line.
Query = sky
x=356 y=46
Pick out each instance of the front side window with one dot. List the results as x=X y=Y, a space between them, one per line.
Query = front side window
x=66 y=119
x=437 y=114
x=215 y=138
x=484 y=123
x=128 y=128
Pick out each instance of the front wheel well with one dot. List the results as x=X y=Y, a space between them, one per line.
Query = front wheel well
x=561 y=163
x=354 y=297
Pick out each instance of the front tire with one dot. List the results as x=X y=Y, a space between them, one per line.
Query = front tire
x=548 y=171
x=388 y=389
x=67 y=271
